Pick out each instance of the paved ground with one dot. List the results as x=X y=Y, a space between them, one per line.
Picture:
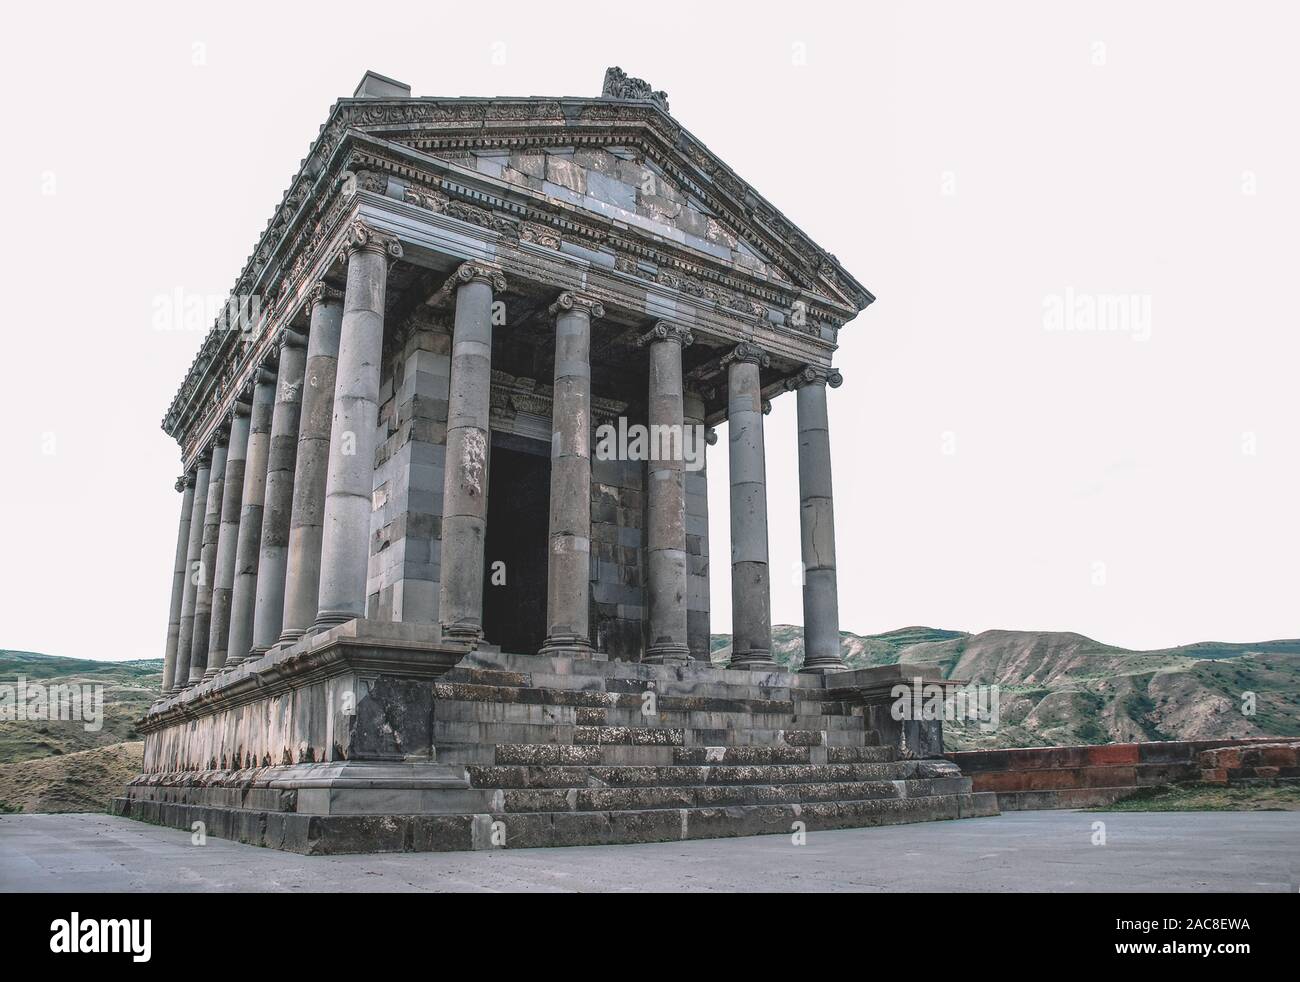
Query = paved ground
x=1047 y=850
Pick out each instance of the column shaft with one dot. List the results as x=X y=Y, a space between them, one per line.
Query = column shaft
x=302 y=578
x=243 y=595
x=460 y=601
x=273 y=554
x=350 y=478
x=207 y=564
x=666 y=502
x=224 y=579
x=821 y=617
x=186 y=485
x=193 y=571
x=750 y=593
x=568 y=574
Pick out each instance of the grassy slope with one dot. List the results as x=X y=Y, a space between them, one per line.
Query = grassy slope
x=76 y=782
x=129 y=688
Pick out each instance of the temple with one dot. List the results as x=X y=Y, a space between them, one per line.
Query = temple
x=441 y=577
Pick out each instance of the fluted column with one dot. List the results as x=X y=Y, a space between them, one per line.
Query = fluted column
x=568 y=574
x=350 y=477
x=281 y=460
x=464 y=515
x=302 y=578
x=193 y=571
x=751 y=617
x=231 y=503
x=666 y=497
x=243 y=595
x=186 y=486
x=208 y=562
x=821 y=612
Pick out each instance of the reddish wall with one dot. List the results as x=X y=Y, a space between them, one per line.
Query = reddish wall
x=1080 y=777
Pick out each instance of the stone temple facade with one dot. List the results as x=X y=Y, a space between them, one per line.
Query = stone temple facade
x=441 y=571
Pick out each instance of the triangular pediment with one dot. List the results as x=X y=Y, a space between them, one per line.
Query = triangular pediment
x=627 y=162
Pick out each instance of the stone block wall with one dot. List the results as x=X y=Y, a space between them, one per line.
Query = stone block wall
x=1261 y=763
x=617 y=559
x=406 y=524
x=1080 y=777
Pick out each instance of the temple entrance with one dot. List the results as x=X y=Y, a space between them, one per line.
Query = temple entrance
x=518 y=526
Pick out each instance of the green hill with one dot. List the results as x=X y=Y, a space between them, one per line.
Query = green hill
x=129 y=688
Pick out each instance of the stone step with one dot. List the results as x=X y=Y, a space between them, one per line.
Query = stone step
x=865 y=754
x=558 y=828
x=555 y=775
x=527 y=712
x=776 y=755
x=721 y=795
x=595 y=696
x=342 y=834
x=579 y=668
x=546 y=732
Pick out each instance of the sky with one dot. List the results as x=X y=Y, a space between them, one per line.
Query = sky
x=1072 y=407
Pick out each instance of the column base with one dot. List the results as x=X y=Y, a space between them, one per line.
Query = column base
x=667 y=653
x=258 y=650
x=212 y=672
x=754 y=661
x=470 y=634
x=289 y=637
x=326 y=620
x=823 y=666
x=567 y=644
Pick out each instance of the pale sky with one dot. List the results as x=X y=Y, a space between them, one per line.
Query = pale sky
x=990 y=171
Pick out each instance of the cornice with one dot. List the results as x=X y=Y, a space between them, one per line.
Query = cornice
x=311 y=208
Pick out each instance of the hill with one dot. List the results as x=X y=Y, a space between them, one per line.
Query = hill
x=1060 y=688
x=129 y=688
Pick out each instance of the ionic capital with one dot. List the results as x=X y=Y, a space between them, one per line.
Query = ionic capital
x=261 y=375
x=321 y=293
x=220 y=438
x=363 y=238
x=747 y=353
x=710 y=435
x=566 y=302
x=767 y=407
x=666 y=331
x=471 y=272
x=815 y=375
x=185 y=481
x=240 y=408
x=289 y=338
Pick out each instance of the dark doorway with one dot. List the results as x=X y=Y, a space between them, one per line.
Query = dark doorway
x=518 y=526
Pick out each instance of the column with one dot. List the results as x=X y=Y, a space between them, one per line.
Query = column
x=281 y=459
x=751 y=617
x=186 y=485
x=821 y=614
x=464 y=515
x=698 y=634
x=243 y=596
x=193 y=567
x=349 y=480
x=568 y=572
x=666 y=497
x=302 y=579
x=227 y=543
x=208 y=562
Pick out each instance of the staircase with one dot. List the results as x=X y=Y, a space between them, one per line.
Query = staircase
x=576 y=752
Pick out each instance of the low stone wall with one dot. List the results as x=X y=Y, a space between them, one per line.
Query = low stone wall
x=1085 y=777
x=1261 y=763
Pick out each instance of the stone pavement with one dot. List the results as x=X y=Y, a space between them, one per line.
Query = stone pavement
x=1026 y=851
